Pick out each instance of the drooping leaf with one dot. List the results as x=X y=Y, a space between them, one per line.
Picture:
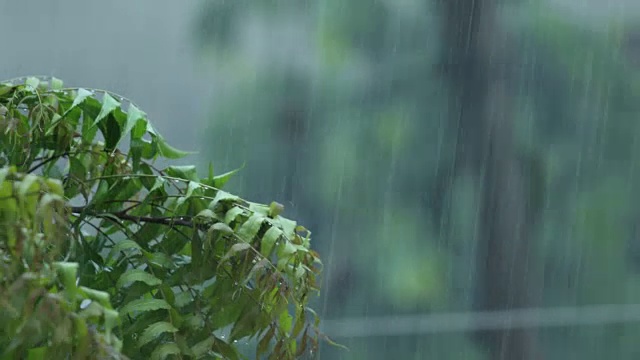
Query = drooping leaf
x=285 y=321
x=109 y=104
x=231 y=215
x=263 y=344
x=250 y=228
x=169 y=151
x=269 y=240
x=142 y=305
x=133 y=115
x=56 y=84
x=220 y=180
x=164 y=351
x=235 y=249
x=134 y=275
x=188 y=172
x=154 y=331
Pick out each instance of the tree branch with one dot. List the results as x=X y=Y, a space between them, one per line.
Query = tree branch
x=122 y=215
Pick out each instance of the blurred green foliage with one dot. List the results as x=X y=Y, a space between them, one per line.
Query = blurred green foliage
x=347 y=122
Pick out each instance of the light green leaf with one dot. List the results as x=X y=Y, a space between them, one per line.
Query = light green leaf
x=133 y=115
x=231 y=215
x=32 y=82
x=187 y=172
x=100 y=296
x=56 y=84
x=264 y=263
x=165 y=350
x=137 y=275
x=68 y=272
x=259 y=208
x=26 y=185
x=154 y=330
x=201 y=348
x=222 y=196
x=109 y=104
x=55 y=186
x=269 y=240
x=275 y=209
x=220 y=180
x=4 y=172
x=143 y=305
x=169 y=151
x=222 y=227
x=161 y=259
x=193 y=186
x=39 y=353
x=123 y=245
x=206 y=214
x=250 y=228
x=80 y=97
x=288 y=226
x=286 y=321
x=236 y=248
x=111 y=318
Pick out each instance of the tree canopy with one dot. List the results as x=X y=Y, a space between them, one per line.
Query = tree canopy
x=105 y=254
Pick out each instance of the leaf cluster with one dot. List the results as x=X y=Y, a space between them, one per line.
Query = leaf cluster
x=105 y=254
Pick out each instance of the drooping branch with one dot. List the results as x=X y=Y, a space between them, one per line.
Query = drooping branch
x=122 y=215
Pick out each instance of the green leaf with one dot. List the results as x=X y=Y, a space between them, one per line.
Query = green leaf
x=263 y=344
x=285 y=321
x=154 y=331
x=26 y=184
x=191 y=187
x=123 y=245
x=275 y=209
x=32 y=82
x=109 y=104
x=210 y=170
x=144 y=305
x=183 y=172
x=236 y=248
x=206 y=214
x=226 y=350
x=231 y=215
x=169 y=151
x=269 y=240
x=56 y=84
x=39 y=353
x=161 y=259
x=222 y=227
x=111 y=318
x=222 y=196
x=133 y=115
x=220 y=180
x=201 y=348
x=300 y=321
x=159 y=183
x=250 y=228
x=79 y=99
x=4 y=172
x=165 y=350
x=137 y=275
x=100 y=296
x=68 y=272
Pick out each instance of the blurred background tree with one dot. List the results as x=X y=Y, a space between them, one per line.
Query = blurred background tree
x=385 y=102
x=365 y=91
